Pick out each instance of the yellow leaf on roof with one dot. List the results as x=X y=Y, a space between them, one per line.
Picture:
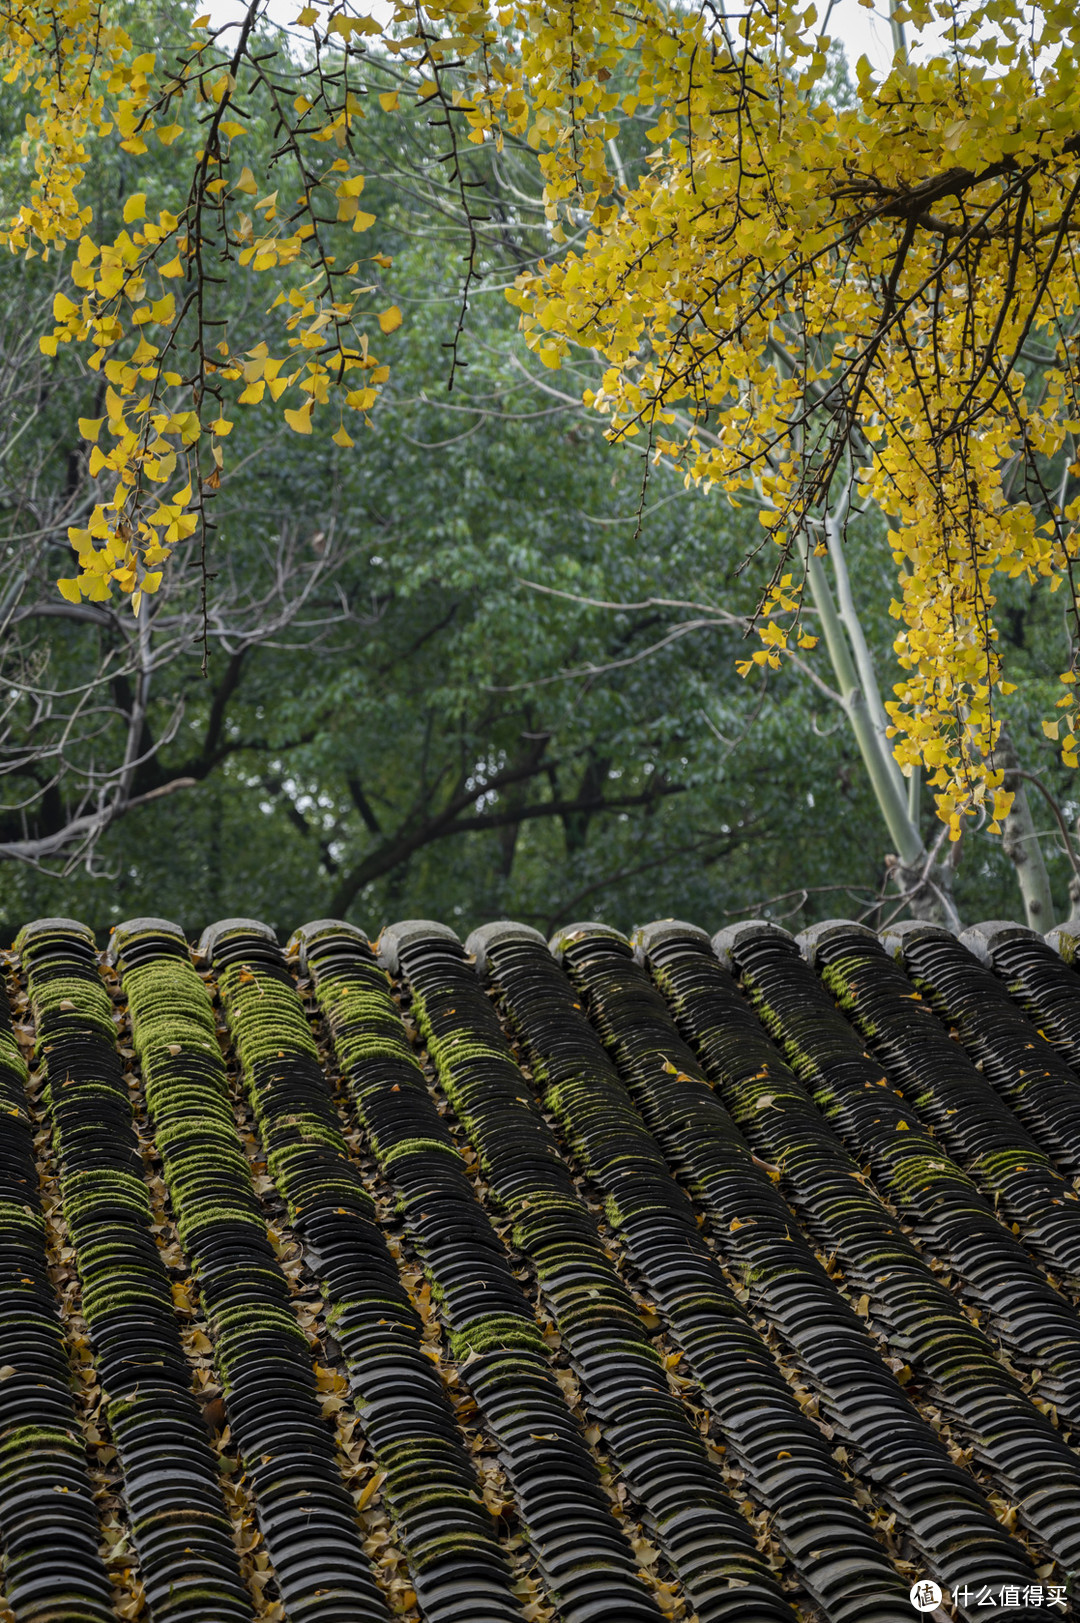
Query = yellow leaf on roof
x=370 y=1489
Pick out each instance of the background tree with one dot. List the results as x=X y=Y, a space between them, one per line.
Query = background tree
x=462 y=735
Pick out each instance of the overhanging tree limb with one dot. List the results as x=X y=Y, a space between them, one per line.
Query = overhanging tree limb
x=400 y=847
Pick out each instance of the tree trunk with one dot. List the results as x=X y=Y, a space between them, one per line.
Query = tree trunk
x=927 y=884
x=1020 y=841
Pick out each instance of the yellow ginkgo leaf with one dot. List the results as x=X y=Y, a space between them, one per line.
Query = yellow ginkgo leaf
x=341 y=438
x=390 y=320
x=388 y=101
x=90 y=427
x=135 y=207
x=300 y=420
x=70 y=590
x=370 y=1488
x=167 y=133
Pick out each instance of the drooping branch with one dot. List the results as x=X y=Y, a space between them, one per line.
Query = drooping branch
x=76 y=758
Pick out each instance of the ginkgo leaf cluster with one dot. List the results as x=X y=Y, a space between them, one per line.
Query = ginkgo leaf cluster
x=138 y=307
x=786 y=288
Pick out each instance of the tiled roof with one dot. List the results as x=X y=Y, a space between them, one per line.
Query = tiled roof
x=603 y=1281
